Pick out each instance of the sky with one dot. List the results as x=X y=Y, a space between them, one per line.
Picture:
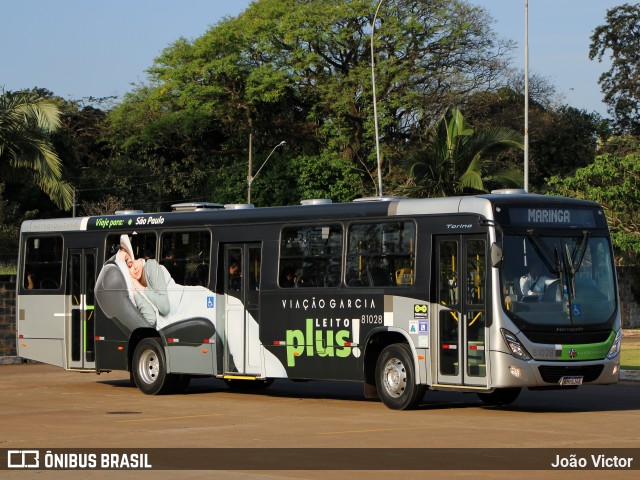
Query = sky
x=97 y=48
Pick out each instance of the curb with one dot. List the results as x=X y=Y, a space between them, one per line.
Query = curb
x=630 y=375
x=14 y=360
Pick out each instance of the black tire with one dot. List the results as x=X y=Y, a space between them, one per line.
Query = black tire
x=500 y=396
x=396 y=378
x=149 y=368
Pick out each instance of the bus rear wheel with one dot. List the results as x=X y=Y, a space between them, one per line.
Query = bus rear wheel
x=396 y=378
x=149 y=368
x=500 y=396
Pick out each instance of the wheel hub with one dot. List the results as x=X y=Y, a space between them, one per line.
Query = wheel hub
x=149 y=366
x=395 y=377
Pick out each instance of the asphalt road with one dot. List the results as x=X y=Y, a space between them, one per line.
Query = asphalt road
x=45 y=407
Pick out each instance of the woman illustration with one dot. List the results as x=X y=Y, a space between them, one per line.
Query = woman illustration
x=148 y=282
x=157 y=296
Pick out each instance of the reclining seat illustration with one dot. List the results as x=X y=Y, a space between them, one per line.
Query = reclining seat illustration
x=191 y=316
x=113 y=298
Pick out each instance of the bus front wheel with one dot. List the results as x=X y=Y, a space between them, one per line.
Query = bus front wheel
x=149 y=368
x=396 y=378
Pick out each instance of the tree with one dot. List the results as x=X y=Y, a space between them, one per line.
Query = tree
x=300 y=71
x=81 y=145
x=620 y=85
x=9 y=229
x=456 y=159
x=107 y=206
x=26 y=122
x=614 y=182
x=562 y=138
x=326 y=177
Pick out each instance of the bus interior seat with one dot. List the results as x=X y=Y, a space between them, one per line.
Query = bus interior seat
x=305 y=281
x=517 y=290
x=379 y=277
x=331 y=280
x=197 y=275
x=404 y=276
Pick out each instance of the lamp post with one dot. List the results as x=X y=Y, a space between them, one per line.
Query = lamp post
x=526 y=95
x=375 y=104
x=251 y=177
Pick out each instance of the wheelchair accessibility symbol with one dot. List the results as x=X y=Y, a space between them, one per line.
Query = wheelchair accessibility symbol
x=210 y=302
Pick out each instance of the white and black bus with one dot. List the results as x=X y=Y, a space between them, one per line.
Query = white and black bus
x=486 y=294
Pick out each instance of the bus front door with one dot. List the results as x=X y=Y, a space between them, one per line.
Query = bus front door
x=80 y=331
x=242 y=349
x=460 y=330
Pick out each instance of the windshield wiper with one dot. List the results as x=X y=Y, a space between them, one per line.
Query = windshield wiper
x=580 y=250
x=573 y=261
x=550 y=259
x=567 y=278
x=571 y=273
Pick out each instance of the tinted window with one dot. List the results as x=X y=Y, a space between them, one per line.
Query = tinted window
x=381 y=254
x=311 y=256
x=43 y=263
x=186 y=256
x=144 y=245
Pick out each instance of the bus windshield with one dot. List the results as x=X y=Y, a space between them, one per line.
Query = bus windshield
x=558 y=280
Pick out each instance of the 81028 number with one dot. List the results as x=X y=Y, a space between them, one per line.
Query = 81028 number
x=372 y=319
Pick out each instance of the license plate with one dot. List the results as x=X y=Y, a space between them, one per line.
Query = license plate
x=567 y=381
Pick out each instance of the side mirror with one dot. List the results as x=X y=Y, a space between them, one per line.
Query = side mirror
x=496 y=255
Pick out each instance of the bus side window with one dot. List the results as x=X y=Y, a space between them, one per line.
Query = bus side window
x=310 y=256
x=43 y=263
x=144 y=245
x=381 y=254
x=186 y=255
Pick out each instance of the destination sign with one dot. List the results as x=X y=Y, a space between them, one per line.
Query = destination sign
x=125 y=221
x=552 y=216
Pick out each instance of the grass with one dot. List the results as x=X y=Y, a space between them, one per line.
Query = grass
x=630 y=356
x=7 y=269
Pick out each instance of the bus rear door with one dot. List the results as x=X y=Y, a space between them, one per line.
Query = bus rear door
x=80 y=331
x=460 y=329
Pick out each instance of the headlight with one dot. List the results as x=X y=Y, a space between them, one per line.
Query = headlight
x=615 y=347
x=517 y=349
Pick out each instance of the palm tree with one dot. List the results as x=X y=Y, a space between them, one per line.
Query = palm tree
x=456 y=159
x=26 y=120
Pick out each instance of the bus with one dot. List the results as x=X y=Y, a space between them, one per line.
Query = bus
x=402 y=295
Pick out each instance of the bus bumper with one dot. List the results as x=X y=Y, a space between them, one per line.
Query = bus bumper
x=508 y=371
